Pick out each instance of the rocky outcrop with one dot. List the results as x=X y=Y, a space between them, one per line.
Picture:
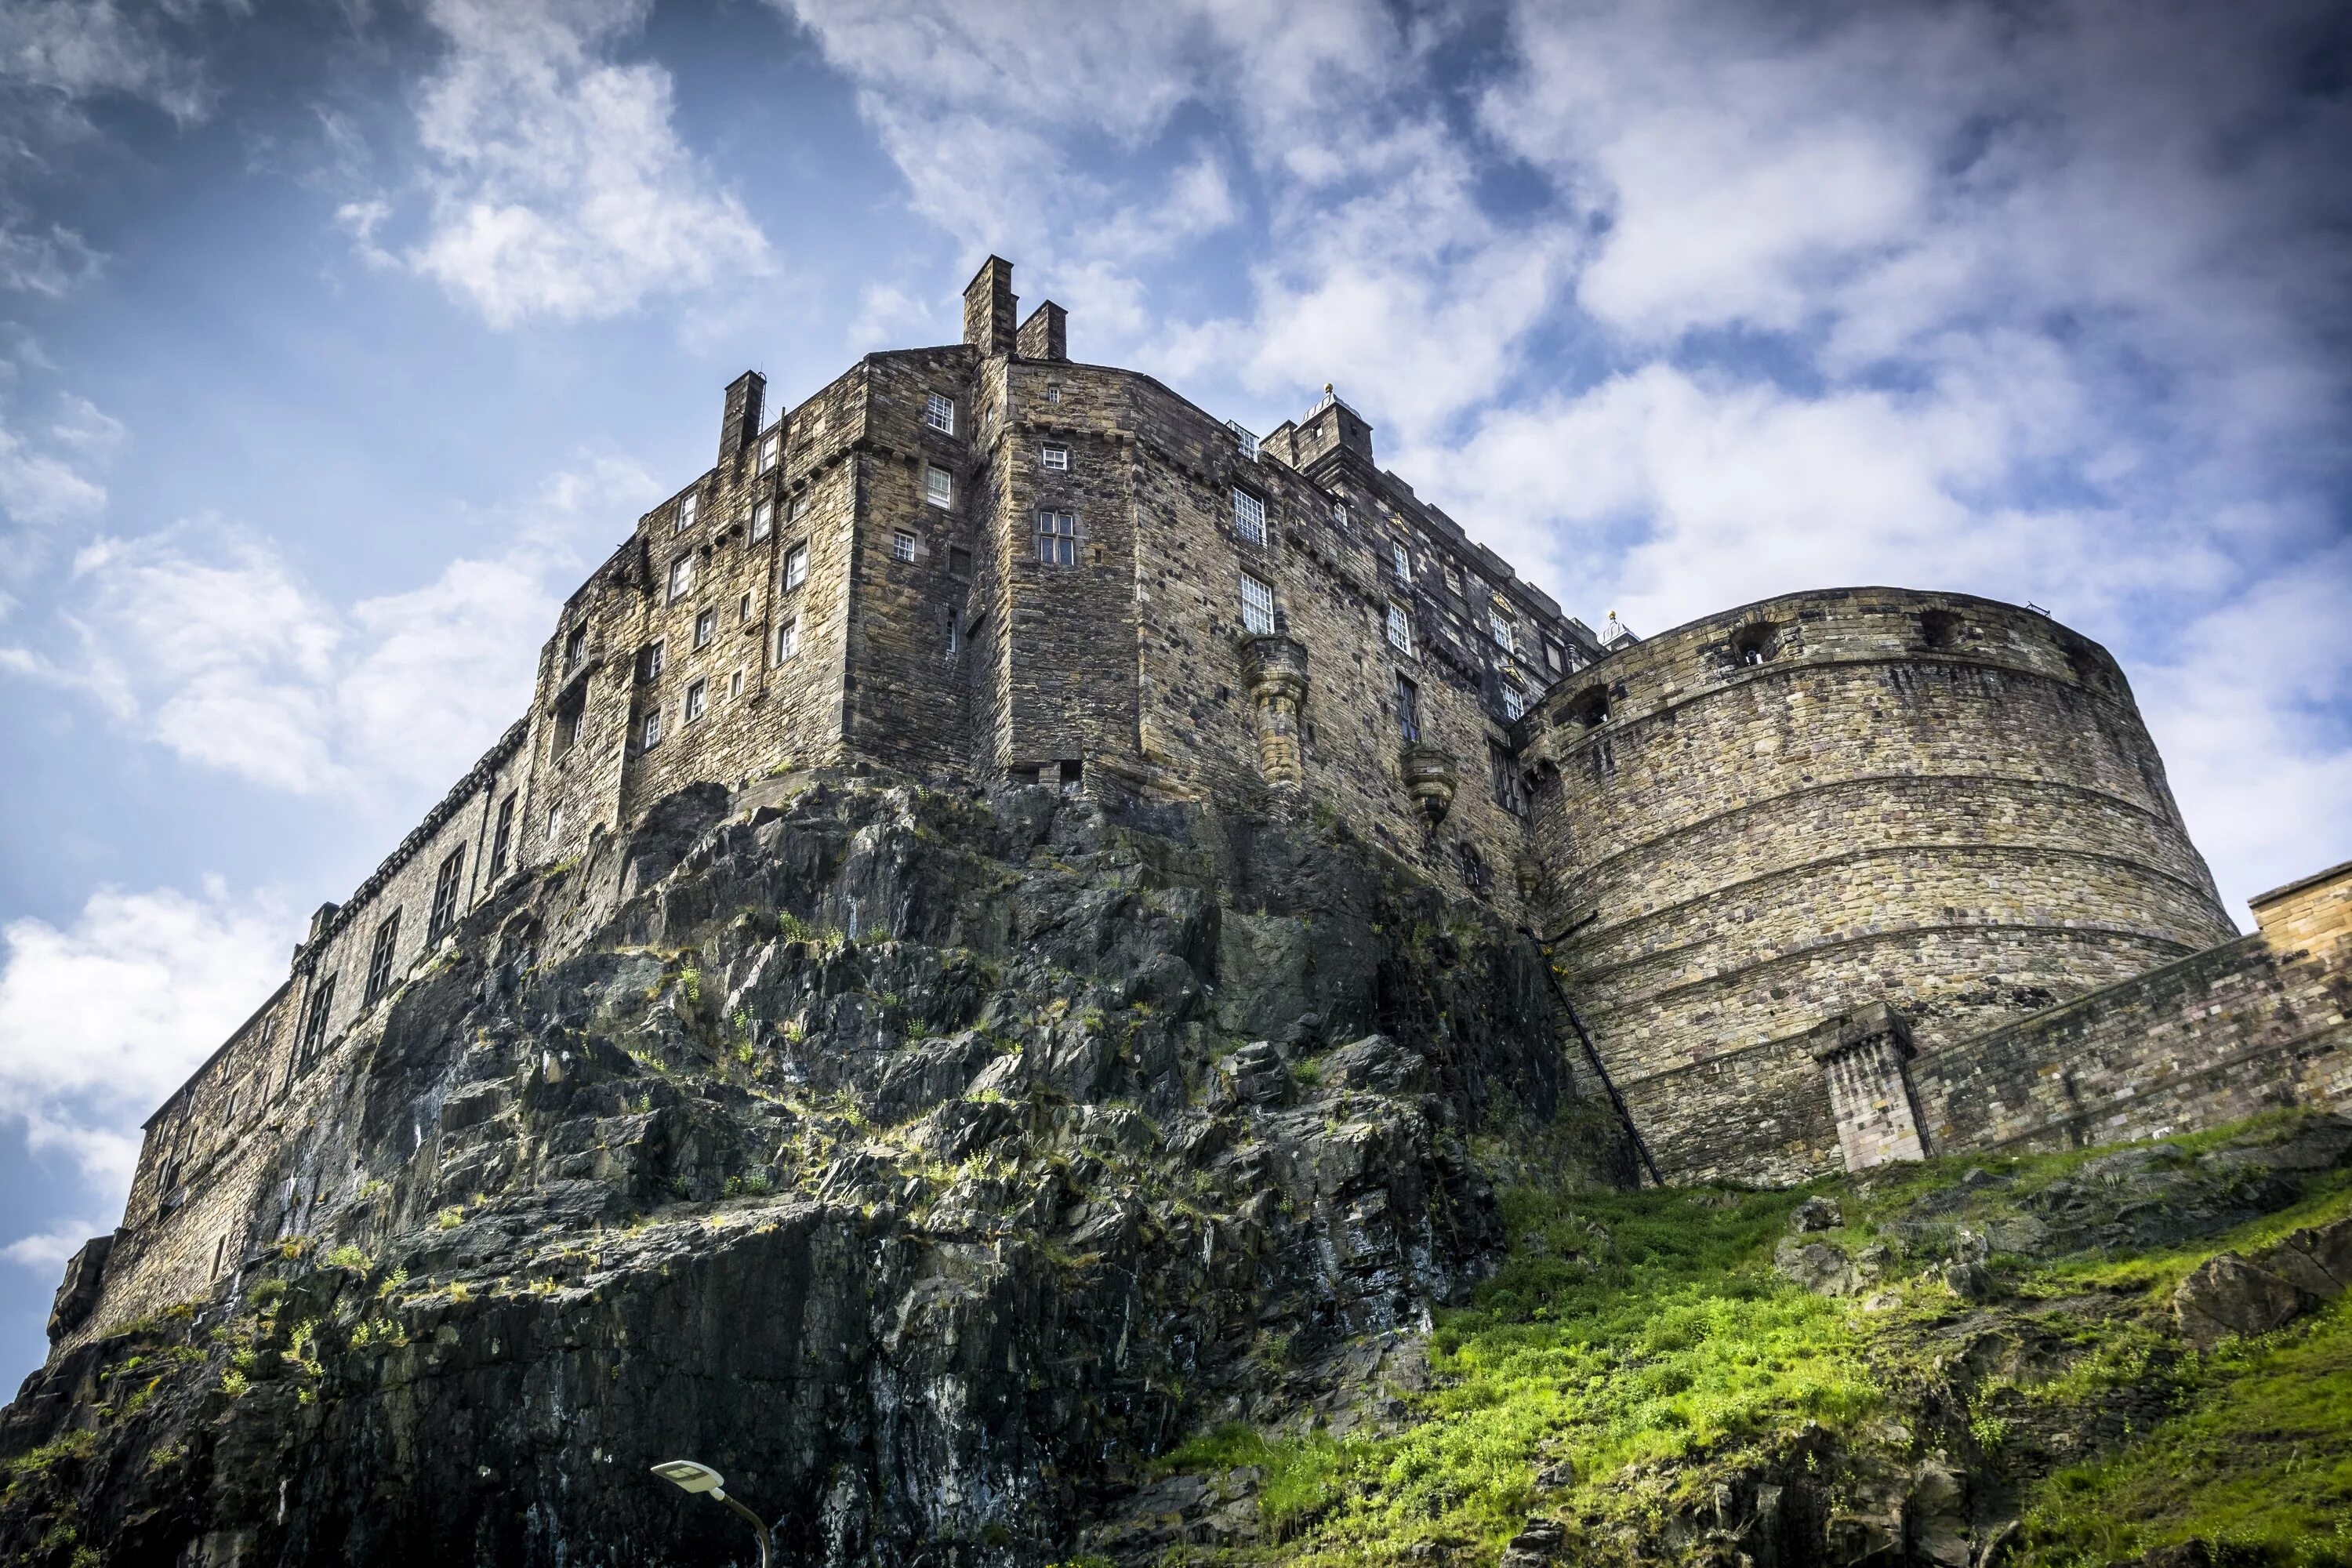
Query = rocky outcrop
x=926 y=1162
x=2229 y=1294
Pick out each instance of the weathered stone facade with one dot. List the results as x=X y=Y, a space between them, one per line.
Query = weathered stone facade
x=1834 y=879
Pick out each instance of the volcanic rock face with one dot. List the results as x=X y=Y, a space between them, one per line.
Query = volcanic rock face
x=924 y=1163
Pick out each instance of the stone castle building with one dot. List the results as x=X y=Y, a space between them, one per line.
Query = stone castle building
x=1828 y=879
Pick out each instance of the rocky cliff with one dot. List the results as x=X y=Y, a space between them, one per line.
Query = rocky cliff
x=996 y=1183
x=928 y=1164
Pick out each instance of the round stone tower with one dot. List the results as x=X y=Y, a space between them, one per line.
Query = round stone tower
x=1761 y=827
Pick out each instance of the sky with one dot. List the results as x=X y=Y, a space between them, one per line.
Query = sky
x=338 y=341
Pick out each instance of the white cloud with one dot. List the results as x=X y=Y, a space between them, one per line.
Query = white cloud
x=47 y=1252
x=103 y=1018
x=203 y=637
x=559 y=186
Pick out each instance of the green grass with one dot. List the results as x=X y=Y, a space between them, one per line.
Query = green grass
x=1623 y=1330
x=2259 y=1464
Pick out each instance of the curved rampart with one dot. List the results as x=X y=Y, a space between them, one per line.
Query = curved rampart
x=1773 y=817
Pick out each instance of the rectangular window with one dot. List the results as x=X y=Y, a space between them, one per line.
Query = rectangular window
x=763 y=520
x=1257 y=604
x=698 y=697
x=954 y=641
x=1408 y=709
x=681 y=578
x=1244 y=442
x=939 y=413
x=448 y=891
x=1400 y=562
x=1054 y=457
x=649 y=735
x=1551 y=655
x=705 y=626
x=769 y=449
x=575 y=647
x=939 y=488
x=1506 y=778
x=795 y=567
x=314 y=1022
x=902 y=546
x=1052 y=392
x=1400 y=629
x=649 y=663
x=735 y=684
x=379 y=974
x=1514 y=703
x=568 y=725
x=788 y=640
x=799 y=506
x=1057 y=538
x=743 y=610
x=1339 y=514
x=502 y=840
x=555 y=822
x=1505 y=632
x=1249 y=516
x=685 y=508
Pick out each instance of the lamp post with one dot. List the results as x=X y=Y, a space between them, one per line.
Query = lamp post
x=689 y=1477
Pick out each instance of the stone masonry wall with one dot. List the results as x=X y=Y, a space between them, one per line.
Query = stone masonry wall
x=1777 y=815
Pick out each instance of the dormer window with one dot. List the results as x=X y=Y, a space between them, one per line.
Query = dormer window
x=685 y=508
x=939 y=413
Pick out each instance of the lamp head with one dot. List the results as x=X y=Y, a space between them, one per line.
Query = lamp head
x=687 y=1476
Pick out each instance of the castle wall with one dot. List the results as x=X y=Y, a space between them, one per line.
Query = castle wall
x=1938 y=803
x=2252 y=1025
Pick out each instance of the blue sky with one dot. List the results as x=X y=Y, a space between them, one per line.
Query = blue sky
x=338 y=341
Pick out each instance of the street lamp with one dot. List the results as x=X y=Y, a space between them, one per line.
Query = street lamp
x=689 y=1477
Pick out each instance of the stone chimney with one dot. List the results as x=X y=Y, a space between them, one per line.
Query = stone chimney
x=987 y=307
x=1046 y=334
x=747 y=397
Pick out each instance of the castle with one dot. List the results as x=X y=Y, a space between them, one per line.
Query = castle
x=1830 y=880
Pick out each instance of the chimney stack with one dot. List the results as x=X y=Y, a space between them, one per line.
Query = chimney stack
x=747 y=397
x=1047 y=334
x=987 y=307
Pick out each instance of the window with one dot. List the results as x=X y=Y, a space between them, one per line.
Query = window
x=1514 y=703
x=1242 y=440
x=1249 y=516
x=902 y=546
x=1052 y=392
x=1505 y=632
x=1453 y=582
x=763 y=520
x=1551 y=655
x=697 y=698
x=555 y=822
x=568 y=725
x=1257 y=604
x=939 y=413
x=770 y=449
x=938 y=488
x=1339 y=514
x=379 y=974
x=955 y=638
x=1400 y=629
x=799 y=506
x=649 y=735
x=1057 y=538
x=1940 y=628
x=1054 y=457
x=744 y=609
x=448 y=889
x=1505 y=779
x=795 y=567
x=502 y=839
x=649 y=663
x=705 y=626
x=735 y=684
x=681 y=578
x=1474 y=875
x=1400 y=562
x=1408 y=709
x=685 y=508
x=575 y=647
x=314 y=1021
x=788 y=640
